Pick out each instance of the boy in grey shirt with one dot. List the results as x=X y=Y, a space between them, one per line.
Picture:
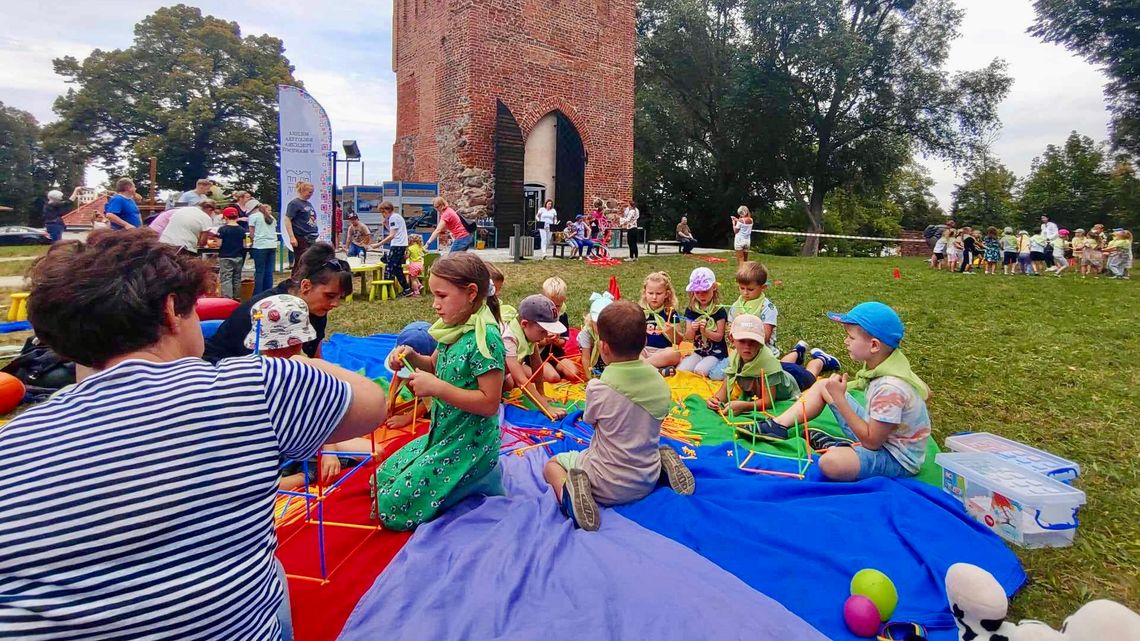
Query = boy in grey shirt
x=625 y=460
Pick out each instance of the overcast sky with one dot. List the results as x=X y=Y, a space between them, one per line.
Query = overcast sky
x=342 y=52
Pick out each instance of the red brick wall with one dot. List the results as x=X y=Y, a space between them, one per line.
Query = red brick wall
x=913 y=249
x=534 y=55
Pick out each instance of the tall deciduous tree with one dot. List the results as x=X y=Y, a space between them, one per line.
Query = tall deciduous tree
x=1070 y=184
x=19 y=160
x=776 y=103
x=191 y=90
x=1107 y=33
x=866 y=82
x=986 y=196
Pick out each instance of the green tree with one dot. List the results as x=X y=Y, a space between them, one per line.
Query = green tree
x=986 y=195
x=696 y=141
x=1106 y=33
x=865 y=86
x=190 y=90
x=19 y=162
x=1070 y=184
x=1126 y=194
x=910 y=190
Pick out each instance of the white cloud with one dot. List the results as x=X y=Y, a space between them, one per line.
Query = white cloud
x=1054 y=92
x=342 y=52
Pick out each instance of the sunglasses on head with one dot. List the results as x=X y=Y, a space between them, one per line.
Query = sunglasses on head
x=336 y=265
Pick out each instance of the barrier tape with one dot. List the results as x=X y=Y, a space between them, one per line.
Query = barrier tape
x=844 y=236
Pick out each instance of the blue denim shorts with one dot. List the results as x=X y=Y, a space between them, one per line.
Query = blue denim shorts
x=878 y=462
x=462 y=244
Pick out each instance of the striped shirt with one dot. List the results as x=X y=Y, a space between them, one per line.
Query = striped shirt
x=138 y=504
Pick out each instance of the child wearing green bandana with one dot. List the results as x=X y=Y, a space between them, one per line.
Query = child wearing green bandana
x=754 y=377
x=523 y=339
x=463 y=377
x=893 y=429
x=752 y=279
x=625 y=460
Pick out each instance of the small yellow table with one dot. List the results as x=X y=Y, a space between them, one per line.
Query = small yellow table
x=367 y=274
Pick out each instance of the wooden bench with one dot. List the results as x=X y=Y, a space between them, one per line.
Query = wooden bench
x=655 y=245
x=559 y=248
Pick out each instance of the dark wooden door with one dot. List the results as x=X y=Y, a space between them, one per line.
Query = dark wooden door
x=569 y=169
x=509 y=150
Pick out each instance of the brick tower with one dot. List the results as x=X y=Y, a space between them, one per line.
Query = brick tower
x=506 y=103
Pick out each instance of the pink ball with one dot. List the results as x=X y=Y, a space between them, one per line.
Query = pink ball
x=861 y=615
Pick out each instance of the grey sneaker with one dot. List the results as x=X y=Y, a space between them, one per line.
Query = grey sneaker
x=676 y=472
x=578 y=501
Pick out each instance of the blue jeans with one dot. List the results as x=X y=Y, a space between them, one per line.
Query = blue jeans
x=284 y=612
x=462 y=244
x=55 y=230
x=262 y=269
x=878 y=462
x=355 y=250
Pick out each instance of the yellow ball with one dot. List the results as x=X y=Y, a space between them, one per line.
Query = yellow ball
x=877 y=587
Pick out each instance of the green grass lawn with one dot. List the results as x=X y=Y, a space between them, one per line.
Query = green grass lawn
x=1052 y=362
x=15 y=267
x=30 y=251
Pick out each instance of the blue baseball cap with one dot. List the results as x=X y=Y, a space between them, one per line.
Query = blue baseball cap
x=876 y=319
x=415 y=335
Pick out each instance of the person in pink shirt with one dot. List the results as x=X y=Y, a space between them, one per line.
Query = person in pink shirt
x=598 y=223
x=461 y=239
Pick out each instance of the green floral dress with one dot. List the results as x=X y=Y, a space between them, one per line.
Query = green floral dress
x=460 y=449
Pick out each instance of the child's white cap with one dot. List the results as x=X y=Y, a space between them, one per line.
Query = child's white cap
x=284 y=322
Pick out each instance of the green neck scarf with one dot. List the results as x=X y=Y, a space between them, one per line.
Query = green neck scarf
x=508 y=313
x=896 y=365
x=595 y=350
x=662 y=323
x=752 y=307
x=477 y=322
x=764 y=362
x=705 y=313
x=642 y=384
x=526 y=348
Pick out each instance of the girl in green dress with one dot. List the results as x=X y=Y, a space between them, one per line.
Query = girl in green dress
x=464 y=378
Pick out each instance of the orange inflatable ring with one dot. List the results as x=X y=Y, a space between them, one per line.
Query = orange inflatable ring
x=215 y=308
x=11 y=392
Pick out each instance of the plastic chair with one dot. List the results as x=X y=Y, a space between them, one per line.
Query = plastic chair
x=385 y=288
x=19 y=309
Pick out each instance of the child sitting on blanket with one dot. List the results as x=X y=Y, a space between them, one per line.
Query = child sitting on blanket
x=743 y=390
x=459 y=455
x=279 y=327
x=893 y=430
x=664 y=326
x=625 y=459
x=556 y=369
x=523 y=339
x=592 y=363
x=706 y=327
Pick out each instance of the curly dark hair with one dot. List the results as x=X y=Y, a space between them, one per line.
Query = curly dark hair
x=97 y=300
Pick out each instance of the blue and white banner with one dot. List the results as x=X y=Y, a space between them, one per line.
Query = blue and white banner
x=306 y=152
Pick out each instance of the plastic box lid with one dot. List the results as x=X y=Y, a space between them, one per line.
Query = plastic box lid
x=1019 y=453
x=1010 y=480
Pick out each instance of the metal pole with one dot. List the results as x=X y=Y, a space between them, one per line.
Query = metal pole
x=516 y=255
x=332 y=233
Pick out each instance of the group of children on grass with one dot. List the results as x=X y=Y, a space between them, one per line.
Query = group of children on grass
x=480 y=348
x=1092 y=253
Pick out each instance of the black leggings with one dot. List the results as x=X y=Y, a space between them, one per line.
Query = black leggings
x=632 y=237
x=967 y=258
x=395 y=266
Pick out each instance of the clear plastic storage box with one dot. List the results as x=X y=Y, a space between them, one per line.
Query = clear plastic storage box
x=1022 y=506
x=1017 y=453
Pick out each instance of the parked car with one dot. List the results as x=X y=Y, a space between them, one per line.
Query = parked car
x=20 y=235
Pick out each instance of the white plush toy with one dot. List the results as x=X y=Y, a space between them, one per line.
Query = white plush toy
x=979 y=606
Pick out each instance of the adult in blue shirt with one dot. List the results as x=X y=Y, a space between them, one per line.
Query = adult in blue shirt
x=122 y=210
